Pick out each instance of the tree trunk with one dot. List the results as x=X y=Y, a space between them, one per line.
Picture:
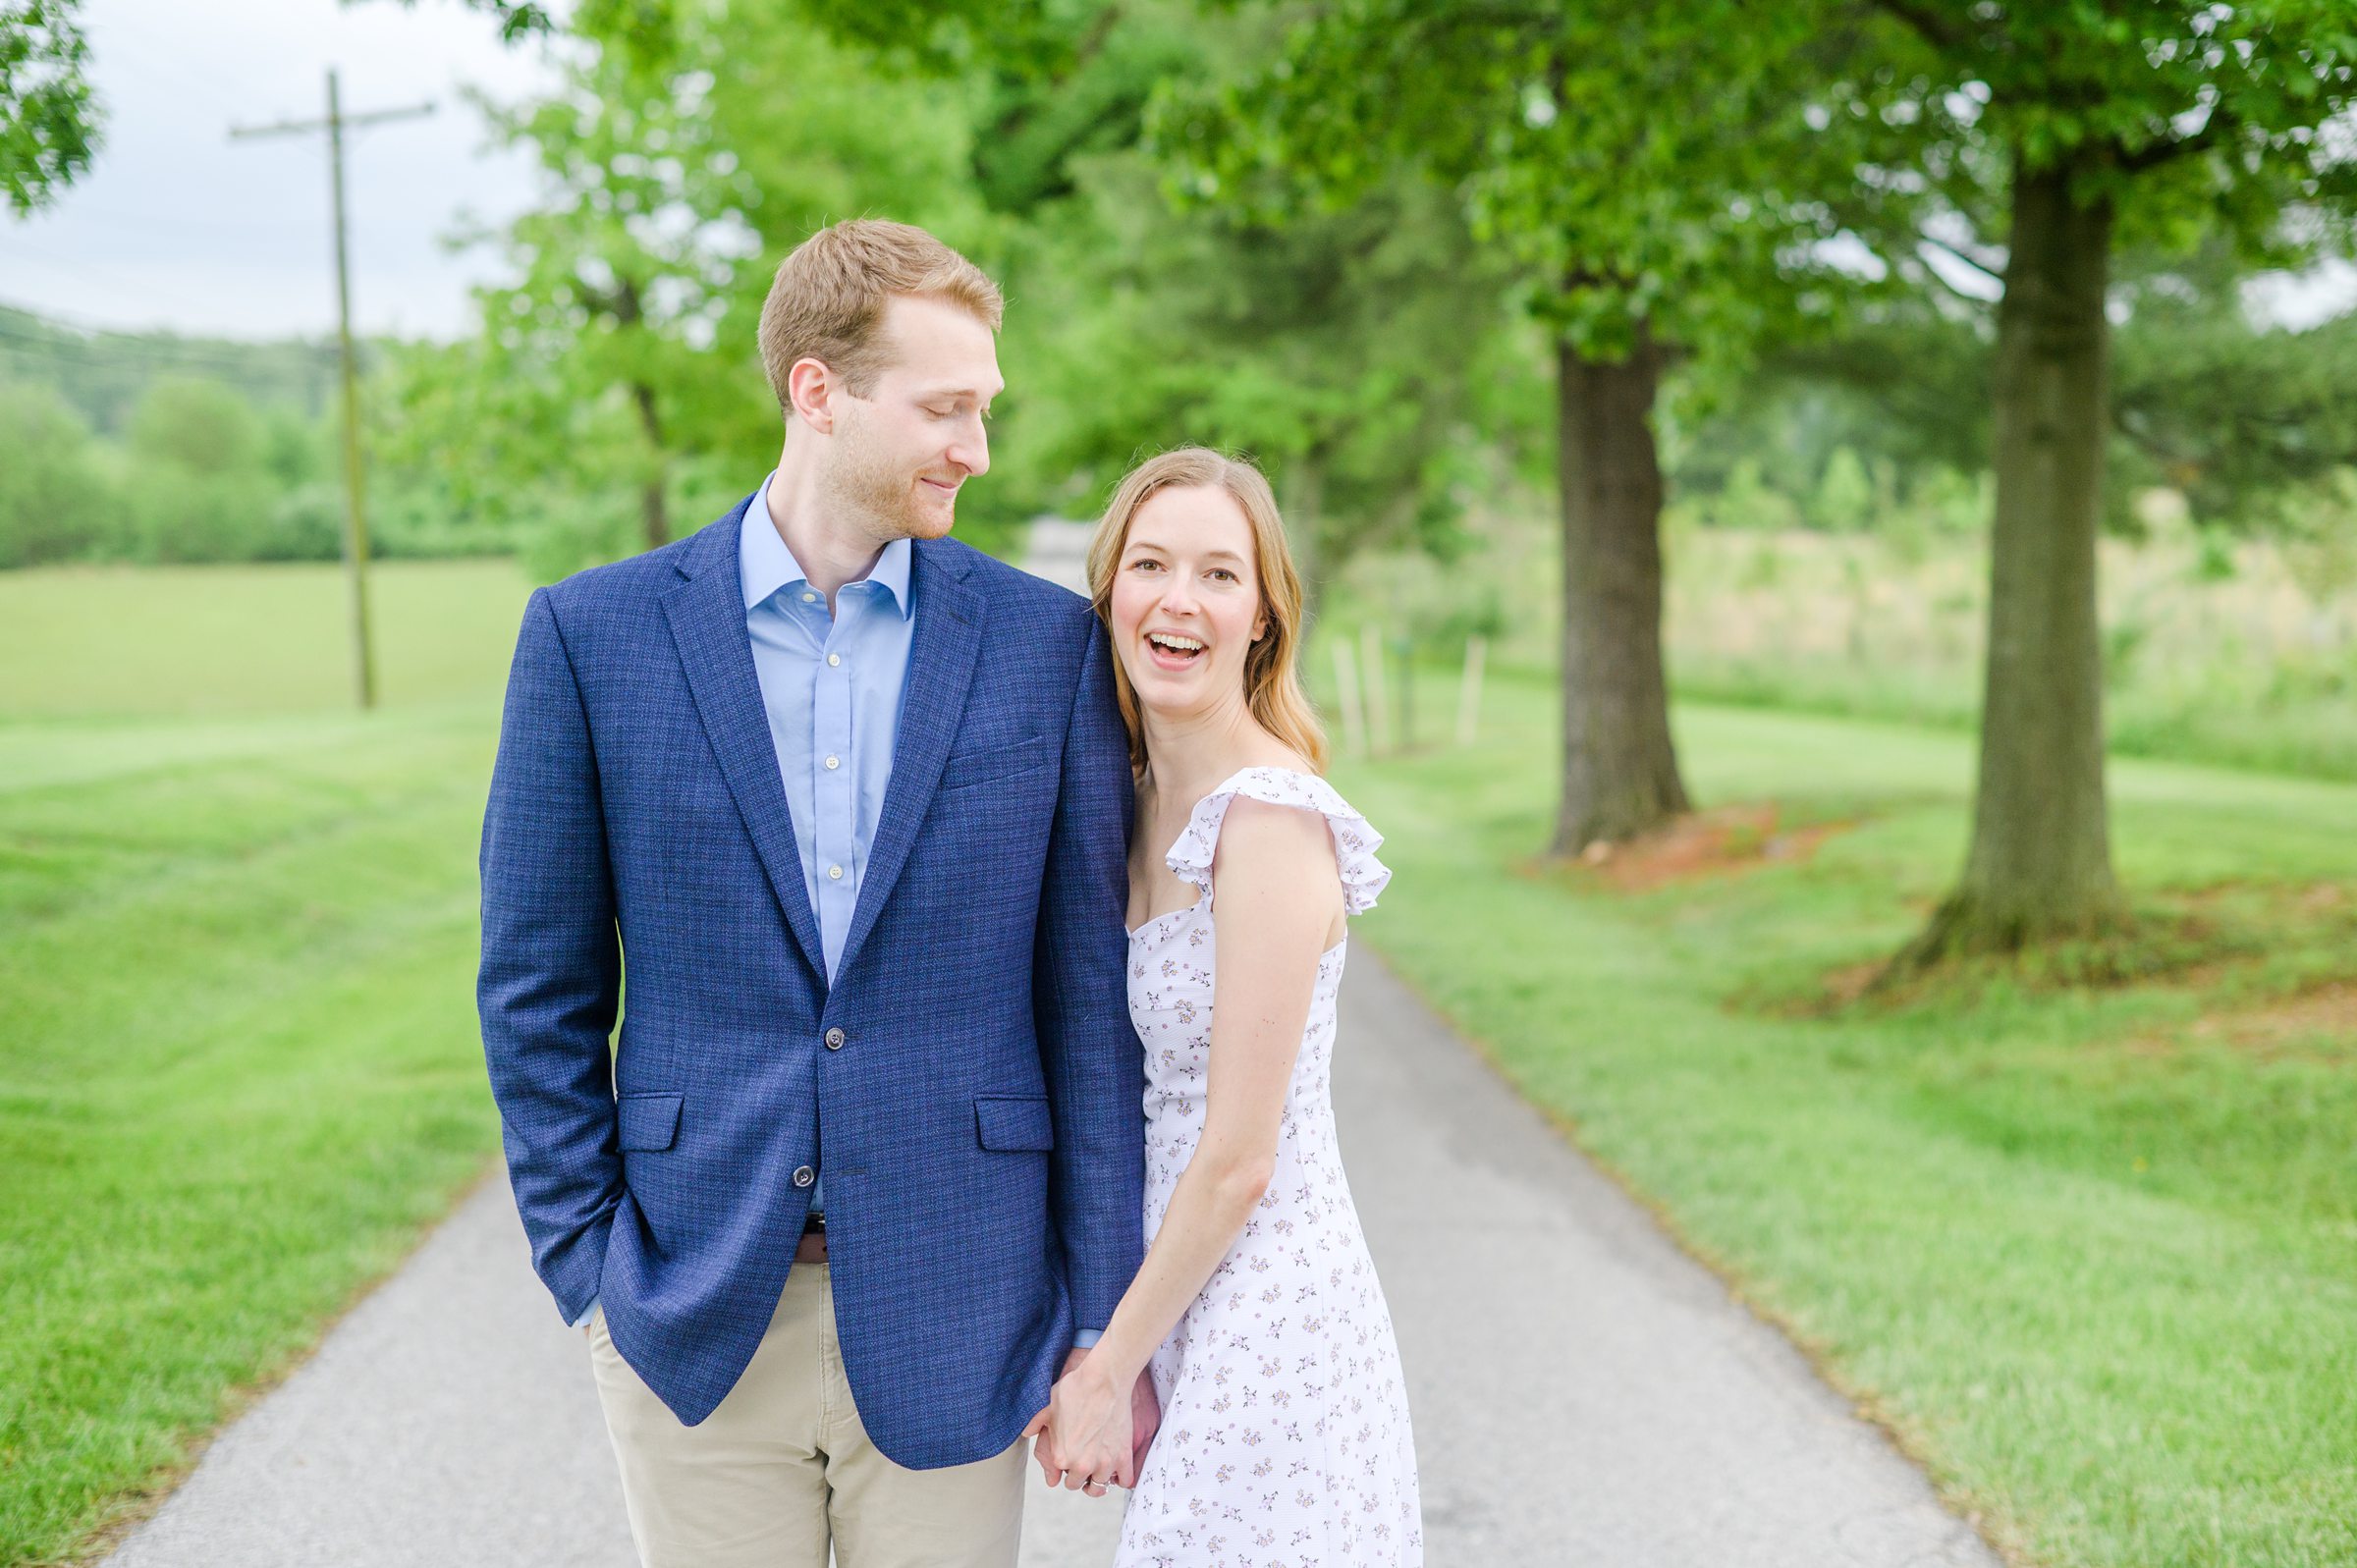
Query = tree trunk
x=655 y=515
x=2039 y=867
x=1619 y=768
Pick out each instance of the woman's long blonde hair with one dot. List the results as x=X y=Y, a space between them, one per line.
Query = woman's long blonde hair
x=1272 y=683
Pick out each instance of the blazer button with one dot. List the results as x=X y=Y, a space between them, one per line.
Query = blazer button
x=835 y=1039
x=804 y=1176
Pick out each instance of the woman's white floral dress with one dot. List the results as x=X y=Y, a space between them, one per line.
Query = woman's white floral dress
x=1284 y=1437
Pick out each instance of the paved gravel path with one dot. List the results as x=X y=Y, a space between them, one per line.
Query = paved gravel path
x=1583 y=1393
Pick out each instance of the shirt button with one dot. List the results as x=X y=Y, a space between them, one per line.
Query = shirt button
x=803 y=1175
x=835 y=1040
x=834 y=763
x=809 y=598
x=834 y=659
x=834 y=873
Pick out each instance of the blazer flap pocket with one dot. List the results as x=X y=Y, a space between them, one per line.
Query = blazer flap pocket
x=966 y=769
x=649 y=1121
x=1013 y=1121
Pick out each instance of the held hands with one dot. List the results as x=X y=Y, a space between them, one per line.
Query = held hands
x=1091 y=1435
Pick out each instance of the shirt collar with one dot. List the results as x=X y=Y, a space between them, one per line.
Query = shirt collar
x=764 y=564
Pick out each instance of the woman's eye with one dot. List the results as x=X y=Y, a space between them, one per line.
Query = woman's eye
x=1222 y=571
x=1145 y=565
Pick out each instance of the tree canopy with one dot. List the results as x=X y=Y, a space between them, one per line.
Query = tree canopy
x=49 y=118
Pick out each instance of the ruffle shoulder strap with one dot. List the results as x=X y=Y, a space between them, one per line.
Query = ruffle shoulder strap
x=1354 y=837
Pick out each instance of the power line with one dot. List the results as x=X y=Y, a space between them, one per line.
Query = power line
x=138 y=285
x=130 y=353
x=73 y=322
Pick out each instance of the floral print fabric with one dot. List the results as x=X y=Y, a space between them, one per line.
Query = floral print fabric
x=1284 y=1438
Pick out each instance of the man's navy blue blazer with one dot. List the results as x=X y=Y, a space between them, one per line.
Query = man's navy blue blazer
x=970 y=1084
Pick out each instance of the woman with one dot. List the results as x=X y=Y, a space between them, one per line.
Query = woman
x=1284 y=1434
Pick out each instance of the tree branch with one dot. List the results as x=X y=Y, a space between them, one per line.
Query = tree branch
x=1936 y=28
x=2154 y=154
x=1981 y=267
x=1977 y=302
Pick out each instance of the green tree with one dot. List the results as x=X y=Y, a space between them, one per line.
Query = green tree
x=686 y=148
x=1344 y=348
x=1905 y=385
x=1649 y=170
x=615 y=275
x=2067 y=130
x=2225 y=410
x=56 y=500
x=1845 y=498
x=2207 y=398
x=199 y=474
x=518 y=18
x=296 y=449
x=1340 y=351
x=48 y=117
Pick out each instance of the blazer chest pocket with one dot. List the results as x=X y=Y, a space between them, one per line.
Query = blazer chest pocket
x=648 y=1122
x=970 y=770
x=1013 y=1121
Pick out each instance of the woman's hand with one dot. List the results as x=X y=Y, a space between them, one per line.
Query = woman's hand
x=1088 y=1434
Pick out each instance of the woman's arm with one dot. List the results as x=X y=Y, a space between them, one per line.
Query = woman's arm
x=1276 y=889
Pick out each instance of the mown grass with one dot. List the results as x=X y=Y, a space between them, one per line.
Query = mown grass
x=239 y=1067
x=2093 y=1259
x=83 y=642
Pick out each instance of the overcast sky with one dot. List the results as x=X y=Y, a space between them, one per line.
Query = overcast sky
x=177 y=226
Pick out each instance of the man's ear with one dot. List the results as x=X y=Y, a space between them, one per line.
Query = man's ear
x=811 y=387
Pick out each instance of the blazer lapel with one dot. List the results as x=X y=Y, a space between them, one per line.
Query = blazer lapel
x=708 y=623
x=946 y=641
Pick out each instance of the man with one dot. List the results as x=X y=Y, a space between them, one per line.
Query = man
x=848 y=804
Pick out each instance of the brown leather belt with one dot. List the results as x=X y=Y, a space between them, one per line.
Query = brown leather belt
x=813 y=1247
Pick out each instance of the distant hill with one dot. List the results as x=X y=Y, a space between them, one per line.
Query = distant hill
x=102 y=373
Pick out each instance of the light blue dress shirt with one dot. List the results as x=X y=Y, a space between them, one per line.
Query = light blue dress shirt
x=831 y=683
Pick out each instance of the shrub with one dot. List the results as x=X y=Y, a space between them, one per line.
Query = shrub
x=57 y=500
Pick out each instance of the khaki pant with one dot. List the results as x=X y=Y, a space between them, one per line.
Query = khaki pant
x=784 y=1469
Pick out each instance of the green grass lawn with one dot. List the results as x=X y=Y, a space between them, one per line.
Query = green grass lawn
x=81 y=642
x=2092 y=1254
x=239 y=1067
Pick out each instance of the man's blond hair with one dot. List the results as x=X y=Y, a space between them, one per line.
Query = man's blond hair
x=827 y=300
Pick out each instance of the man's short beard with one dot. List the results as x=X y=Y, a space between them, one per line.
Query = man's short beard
x=881 y=500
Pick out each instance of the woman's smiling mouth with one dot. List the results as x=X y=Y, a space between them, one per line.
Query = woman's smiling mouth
x=1173 y=650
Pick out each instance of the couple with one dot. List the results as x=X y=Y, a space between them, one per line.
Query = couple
x=921 y=1139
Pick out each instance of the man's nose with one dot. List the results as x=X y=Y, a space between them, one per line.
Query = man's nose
x=971 y=450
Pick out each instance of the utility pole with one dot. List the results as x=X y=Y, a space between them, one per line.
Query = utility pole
x=355 y=517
